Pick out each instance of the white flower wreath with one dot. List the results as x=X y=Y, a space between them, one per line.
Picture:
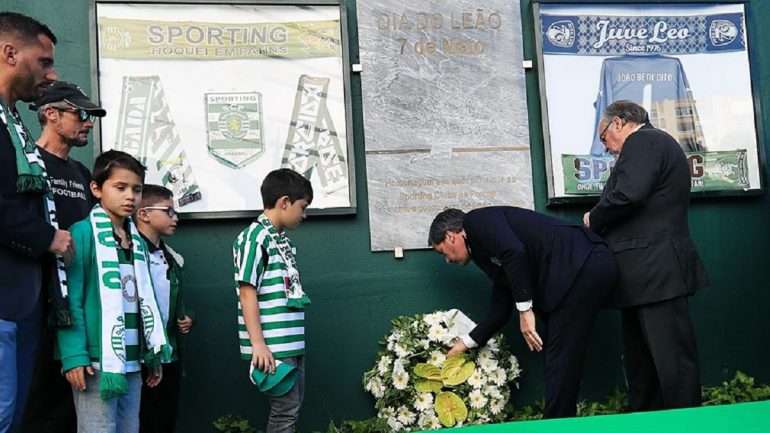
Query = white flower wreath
x=416 y=387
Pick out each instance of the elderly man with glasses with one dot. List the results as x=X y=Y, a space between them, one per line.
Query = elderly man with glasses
x=66 y=116
x=642 y=213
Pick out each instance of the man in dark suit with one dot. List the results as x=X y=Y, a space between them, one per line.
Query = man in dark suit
x=540 y=265
x=26 y=237
x=643 y=215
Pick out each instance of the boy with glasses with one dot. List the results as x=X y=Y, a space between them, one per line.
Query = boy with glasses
x=155 y=219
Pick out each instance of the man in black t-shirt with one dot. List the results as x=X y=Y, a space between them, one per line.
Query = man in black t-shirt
x=66 y=115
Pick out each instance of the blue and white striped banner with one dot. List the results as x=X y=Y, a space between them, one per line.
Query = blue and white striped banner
x=603 y=35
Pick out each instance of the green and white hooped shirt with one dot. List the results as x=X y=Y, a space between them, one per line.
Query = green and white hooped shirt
x=283 y=327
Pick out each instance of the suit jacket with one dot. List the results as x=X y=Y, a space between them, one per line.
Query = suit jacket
x=528 y=256
x=25 y=236
x=643 y=215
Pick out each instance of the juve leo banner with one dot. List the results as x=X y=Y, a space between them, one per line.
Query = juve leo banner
x=212 y=97
x=687 y=64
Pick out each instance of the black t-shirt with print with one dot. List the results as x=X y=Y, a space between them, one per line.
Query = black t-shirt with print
x=70 y=182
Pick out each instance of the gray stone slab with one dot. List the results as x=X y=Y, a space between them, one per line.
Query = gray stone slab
x=444 y=112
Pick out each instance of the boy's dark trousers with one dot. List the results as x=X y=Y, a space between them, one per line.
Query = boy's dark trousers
x=159 y=405
x=284 y=410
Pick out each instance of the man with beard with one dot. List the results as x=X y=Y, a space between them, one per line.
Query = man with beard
x=66 y=115
x=28 y=234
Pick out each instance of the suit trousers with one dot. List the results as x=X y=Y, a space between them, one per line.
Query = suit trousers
x=568 y=329
x=660 y=356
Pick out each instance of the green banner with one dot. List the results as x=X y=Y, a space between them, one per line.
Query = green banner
x=188 y=40
x=710 y=171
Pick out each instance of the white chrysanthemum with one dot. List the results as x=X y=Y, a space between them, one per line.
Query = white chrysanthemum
x=424 y=401
x=477 y=379
x=492 y=391
x=398 y=365
x=488 y=365
x=425 y=343
x=395 y=336
x=394 y=424
x=433 y=319
x=405 y=416
x=437 y=358
x=485 y=354
x=400 y=380
x=376 y=387
x=496 y=407
x=386 y=412
x=493 y=345
x=477 y=399
x=429 y=421
x=498 y=376
x=401 y=351
x=437 y=333
x=515 y=370
x=383 y=365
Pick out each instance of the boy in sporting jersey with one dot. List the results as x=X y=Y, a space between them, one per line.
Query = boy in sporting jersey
x=271 y=325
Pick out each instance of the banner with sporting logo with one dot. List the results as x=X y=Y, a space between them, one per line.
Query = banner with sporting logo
x=212 y=97
x=687 y=64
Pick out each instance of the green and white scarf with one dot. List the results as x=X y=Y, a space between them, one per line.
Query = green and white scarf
x=33 y=178
x=295 y=296
x=113 y=350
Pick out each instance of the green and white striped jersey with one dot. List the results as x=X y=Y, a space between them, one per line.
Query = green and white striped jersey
x=259 y=264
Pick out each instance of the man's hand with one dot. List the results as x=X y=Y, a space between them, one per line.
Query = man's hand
x=184 y=325
x=155 y=376
x=457 y=348
x=62 y=245
x=76 y=377
x=527 y=323
x=587 y=219
x=262 y=358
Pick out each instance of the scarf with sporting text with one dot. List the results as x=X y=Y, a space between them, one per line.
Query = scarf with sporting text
x=113 y=349
x=33 y=178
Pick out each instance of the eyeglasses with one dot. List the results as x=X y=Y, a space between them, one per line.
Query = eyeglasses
x=83 y=115
x=170 y=211
x=603 y=135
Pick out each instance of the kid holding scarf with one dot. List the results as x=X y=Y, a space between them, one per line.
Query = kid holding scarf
x=116 y=321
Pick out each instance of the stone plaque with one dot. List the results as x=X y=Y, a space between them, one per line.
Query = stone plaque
x=445 y=114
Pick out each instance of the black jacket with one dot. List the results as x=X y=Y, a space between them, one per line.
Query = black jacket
x=527 y=255
x=25 y=236
x=643 y=215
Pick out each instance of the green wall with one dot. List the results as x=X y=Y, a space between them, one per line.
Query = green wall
x=355 y=292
